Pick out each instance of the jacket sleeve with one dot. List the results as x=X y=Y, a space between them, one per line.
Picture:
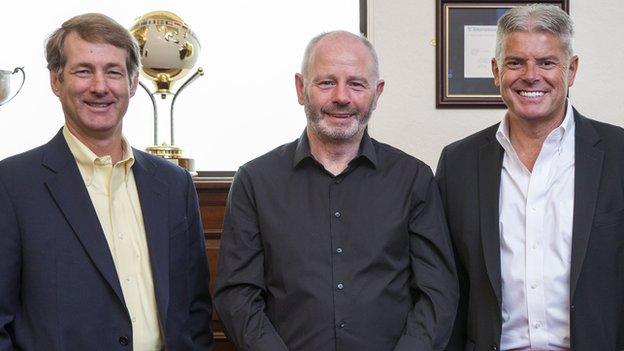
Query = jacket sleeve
x=10 y=262
x=241 y=291
x=457 y=340
x=199 y=276
x=434 y=281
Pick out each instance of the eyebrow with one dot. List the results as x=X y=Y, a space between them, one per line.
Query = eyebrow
x=333 y=77
x=518 y=58
x=91 y=65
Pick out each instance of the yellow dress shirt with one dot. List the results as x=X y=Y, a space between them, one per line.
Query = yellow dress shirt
x=114 y=195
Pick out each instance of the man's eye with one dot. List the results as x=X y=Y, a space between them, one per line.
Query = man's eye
x=326 y=84
x=115 y=74
x=357 y=85
x=82 y=72
x=513 y=64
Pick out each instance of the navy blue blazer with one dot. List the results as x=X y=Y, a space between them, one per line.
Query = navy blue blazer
x=58 y=286
x=469 y=178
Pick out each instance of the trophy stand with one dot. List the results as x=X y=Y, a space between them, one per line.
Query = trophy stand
x=164 y=145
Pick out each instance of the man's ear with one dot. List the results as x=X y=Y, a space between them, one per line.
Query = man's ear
x=55 y=83
x=495 y=72
x=572 y=69
x=134 y=84
x=300 y=88
x=378 y=90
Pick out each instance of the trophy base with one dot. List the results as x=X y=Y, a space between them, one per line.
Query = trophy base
x=174 y=155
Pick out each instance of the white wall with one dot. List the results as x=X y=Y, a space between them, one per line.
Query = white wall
x=242 y=107
x=407 y=118
x=400 y=29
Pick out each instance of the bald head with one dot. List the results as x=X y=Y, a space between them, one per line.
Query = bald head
x=340 y=40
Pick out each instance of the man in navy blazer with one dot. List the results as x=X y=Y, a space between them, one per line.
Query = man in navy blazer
x=535 y=205
x=101 y=245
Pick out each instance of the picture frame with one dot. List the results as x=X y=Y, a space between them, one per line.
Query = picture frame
x=465 y=45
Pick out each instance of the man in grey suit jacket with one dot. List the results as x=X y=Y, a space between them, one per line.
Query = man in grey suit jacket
x=101 y=245
x=535 y=205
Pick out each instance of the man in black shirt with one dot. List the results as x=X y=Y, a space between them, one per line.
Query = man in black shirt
x=336 y=241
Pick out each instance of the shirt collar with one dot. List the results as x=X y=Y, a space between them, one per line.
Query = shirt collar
x=568 y=124
x=366 y=150
x=87 y=159
x=561 y=133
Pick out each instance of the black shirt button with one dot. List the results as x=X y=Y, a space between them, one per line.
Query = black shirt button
x=339 y=250
x=123 y=340
x=494 y=347
x=342 y=325
x=337 y=214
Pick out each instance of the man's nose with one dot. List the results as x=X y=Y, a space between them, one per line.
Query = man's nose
x=341 y=94
x=98 y=84
x=530 y=73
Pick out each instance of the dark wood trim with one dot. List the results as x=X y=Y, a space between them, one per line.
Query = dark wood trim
x=364 y=18
x=212 y=192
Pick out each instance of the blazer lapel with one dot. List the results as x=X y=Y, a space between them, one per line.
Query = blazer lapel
x=152 y=195
x=587 y=172
x=67 y=188
x=490 y=163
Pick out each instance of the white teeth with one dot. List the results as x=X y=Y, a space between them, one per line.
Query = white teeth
x=97 y=105
x=531 y=93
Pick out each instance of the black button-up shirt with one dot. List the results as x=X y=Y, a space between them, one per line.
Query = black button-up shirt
x=359 y=261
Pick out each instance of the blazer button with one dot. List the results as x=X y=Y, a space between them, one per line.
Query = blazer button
x=123 y=340
x=494 y=347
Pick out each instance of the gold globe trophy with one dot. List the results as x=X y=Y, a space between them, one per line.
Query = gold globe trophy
x=169 y=49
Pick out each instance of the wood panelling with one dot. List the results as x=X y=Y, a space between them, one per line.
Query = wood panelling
x=212 y=193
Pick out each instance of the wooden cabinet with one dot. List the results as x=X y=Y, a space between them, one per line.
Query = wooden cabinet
x=212 y=193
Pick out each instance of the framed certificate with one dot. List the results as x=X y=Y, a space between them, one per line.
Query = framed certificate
x=465 y=40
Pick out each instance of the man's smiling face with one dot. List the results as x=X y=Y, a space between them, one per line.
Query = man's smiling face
x=340 y=90
x=534 y=76
x=94 y=87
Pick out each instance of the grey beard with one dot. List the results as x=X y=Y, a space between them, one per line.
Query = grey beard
x=314 y=120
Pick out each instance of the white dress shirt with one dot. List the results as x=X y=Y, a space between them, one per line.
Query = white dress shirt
x=535 y=225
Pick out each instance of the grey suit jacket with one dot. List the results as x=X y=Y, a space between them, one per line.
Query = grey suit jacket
x=469 y=178
x=58 y=286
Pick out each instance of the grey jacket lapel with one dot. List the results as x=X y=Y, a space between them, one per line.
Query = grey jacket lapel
x=153 y=198
x=587 y=173
x=490 y=163
x=67 y=188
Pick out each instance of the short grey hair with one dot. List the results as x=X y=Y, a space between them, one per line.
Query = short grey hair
x=305 y=64
x=535 y=18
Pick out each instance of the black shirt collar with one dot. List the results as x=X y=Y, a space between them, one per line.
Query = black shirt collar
x=366 y=150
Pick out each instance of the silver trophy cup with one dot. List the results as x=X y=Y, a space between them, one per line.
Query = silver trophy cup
x=5 y=84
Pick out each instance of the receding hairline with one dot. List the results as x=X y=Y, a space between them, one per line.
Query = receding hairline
x=339 y=35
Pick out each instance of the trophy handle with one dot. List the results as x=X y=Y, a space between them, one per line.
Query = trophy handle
x=20 y=69
x=155 y=110
x=197 y=74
